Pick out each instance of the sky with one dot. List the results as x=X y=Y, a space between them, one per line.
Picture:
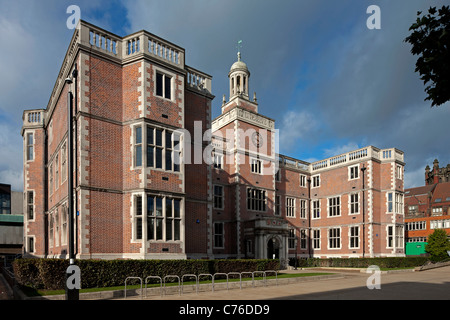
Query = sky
x=331 y=84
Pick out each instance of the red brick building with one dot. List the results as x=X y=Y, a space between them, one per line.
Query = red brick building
x=138 y=108
x=428 y=207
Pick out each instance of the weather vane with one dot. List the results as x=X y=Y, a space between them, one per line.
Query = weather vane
x=239 y=46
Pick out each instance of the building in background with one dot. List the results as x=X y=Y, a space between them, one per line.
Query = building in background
x=427 y=207
x=137 y=109
x=11 y=221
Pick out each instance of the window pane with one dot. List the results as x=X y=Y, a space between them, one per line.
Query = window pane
x=150 y=138
x=168 y=207
x=167 y=87
x=159 y=84
x=150 y=156
x=159 y=211
x=139 y=228
x=176 y=208
x=169 y=139
x=150 y=206
x=138 y=135
x=168 y=160
x=159 y=229
x=159 y=137
x=176 y=230
x=158 y=158
x=169 y=229
x=150 y=228
x=138 y=155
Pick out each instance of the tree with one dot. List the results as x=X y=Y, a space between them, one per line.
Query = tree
x=438 y=245
x=430 y=40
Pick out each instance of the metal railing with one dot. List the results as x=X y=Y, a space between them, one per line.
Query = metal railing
x=213 y=277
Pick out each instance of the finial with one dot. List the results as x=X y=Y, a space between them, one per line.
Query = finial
x=239 y=46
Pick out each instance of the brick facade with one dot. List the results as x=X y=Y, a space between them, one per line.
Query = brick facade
x=133 y=97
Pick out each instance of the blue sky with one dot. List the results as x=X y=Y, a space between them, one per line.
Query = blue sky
x=331 y=84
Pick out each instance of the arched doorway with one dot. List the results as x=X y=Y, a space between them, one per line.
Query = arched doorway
x=273 y=248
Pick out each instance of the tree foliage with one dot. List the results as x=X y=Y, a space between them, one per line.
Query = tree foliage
x=438 y=245
x=430 y=40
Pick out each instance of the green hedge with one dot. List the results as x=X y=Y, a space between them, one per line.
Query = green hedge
x=50 y=273
x=393 y=262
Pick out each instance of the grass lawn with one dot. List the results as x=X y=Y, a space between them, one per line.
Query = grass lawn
x=30 y=292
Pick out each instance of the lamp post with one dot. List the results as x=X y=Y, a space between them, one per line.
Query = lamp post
x=73 y=271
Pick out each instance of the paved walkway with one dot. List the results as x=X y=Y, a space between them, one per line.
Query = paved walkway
x=433 y=284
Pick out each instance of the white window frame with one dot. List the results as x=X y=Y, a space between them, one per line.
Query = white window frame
x=303 y=208
x=335 y=240
x=352 y=203
x=164 y=74
x=316 y=239
x=290 y=207
x=302 y=180
x=315 y=181
x=353 y=237
x=353 y=172
x=334 y=209
x=255 y=165
x=316 y=209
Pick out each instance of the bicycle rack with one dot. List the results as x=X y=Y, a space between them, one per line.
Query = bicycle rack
x=126 y=285
x=222 y=274
x=272 y=271
x=206 y=274
x=190 y=275
x=172 y=276
x=253 y=278
x=240 y=278
x=153 y=277
x=264 y=276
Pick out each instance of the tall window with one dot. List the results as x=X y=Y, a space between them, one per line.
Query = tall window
x=316 y=239
x=57 y=172
x=353 y=172
x=218 y=161
x=390 y=236
x=303 y=209
x=163 y=85
x=256 y=166
x=218 y=197
x=334 y=207
x=256 y=199
x=316 y=181
x=64 y=225
x=290 y=207
x=354 y=237
x=390 y=204
x=63 y=162
x=138 y=217
x=277 y=205
x=399 y=237
x=291 y=239
x=302 y=180
x=334 y=238
x=163 y=218
x=30 y=147
x=303 y=239
x=50 y=184
x=138 y=146
x=30 y=205
x=218 y=235
x=354 y=203
x=316 y=209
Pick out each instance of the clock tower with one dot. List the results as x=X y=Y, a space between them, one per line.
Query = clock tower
x=243 y=179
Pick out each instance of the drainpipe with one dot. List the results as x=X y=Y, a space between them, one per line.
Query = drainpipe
x=363 y=169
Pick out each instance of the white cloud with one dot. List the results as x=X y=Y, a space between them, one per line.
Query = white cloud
x=296 y=126
x=340 y=149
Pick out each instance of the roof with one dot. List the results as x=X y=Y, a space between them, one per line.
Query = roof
x=441 y=193
x=419 y=190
